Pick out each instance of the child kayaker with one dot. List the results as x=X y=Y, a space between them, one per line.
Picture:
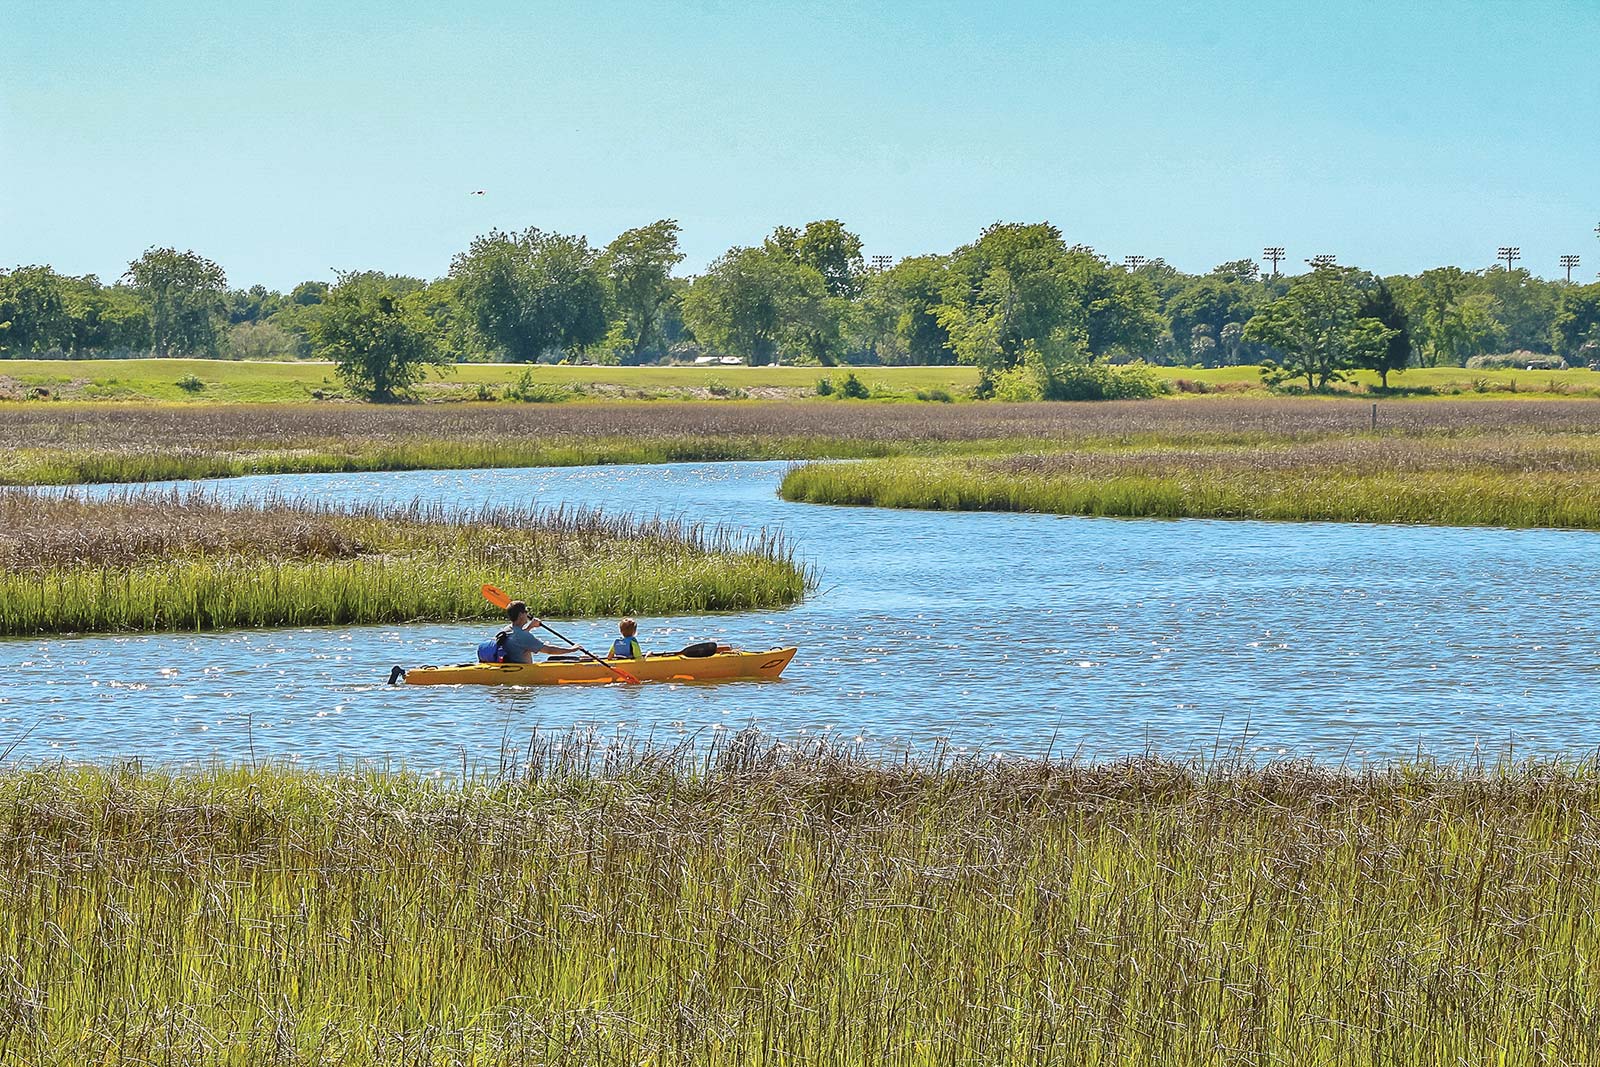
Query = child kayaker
x=520 y=643
x=627 y=646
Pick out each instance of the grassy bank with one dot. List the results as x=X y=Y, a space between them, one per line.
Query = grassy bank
x=223 y=381
x=758 y=906
x=66 y=443
x=169 y=561
x=1493 y=479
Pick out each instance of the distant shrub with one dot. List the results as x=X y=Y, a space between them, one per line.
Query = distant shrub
x=1189 y=385
x=852 y=389
x=1520 y=360
x=529 y=391
x=262 y=340
x=190 y=383
x=824 y=387
x=1100 y=381
x=1018 y=384
x=487 y=392
x=940 y=396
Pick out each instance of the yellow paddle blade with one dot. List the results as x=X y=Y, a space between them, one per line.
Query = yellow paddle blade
x=495 y=597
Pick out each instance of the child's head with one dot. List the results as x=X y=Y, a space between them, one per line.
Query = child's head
x=628 y=627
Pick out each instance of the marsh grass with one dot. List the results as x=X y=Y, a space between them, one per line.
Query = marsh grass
x=1498 y=479
x=188 y=561
x=749 y=903
x=70 y=443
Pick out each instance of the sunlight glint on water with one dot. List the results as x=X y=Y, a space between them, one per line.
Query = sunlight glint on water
x=998 y=632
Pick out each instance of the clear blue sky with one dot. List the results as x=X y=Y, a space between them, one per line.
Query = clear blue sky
x=285 y=139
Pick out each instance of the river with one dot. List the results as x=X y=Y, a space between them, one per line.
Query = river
x=1002 y=633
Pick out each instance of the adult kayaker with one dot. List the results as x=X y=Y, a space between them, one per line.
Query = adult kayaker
x=521 y=644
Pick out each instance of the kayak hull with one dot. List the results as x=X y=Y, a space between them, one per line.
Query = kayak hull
x=724 y=666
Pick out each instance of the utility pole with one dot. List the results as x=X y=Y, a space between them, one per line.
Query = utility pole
x=1133 y=263
x=1509 y=253
x=1274 y=255
x=1569 y=262
x=1321 y=260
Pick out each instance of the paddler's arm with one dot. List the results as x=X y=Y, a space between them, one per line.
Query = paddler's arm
x=549 y=650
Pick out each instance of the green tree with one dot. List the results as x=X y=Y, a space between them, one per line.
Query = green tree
x=638 y=266
x=1436 y=314
x=1243 y=271
x=829 y=249
x=1524 y=307
x=1020 y=294
x=33 y=311
x=532 y=293
x=252 y=304
x=1319 y=328
x=897 y=319
x=1576 y=328
x=1381 y=305
x=106 y=318
x=745 y=303
x=380 y=340
x=308 y=293
x=186 y=295
x=1120 y=309
x=1008 y=295
x=1210 y=303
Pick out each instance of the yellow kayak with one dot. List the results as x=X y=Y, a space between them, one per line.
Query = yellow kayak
x=723 y=666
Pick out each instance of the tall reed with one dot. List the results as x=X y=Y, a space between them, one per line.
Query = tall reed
x=1491 y=480
x=68 y=443
x=754 y=905
x=188 y=561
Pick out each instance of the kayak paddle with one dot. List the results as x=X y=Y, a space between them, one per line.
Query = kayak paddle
x=502 y=601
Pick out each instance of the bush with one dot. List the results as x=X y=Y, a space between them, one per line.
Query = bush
x=852 y=389
x=1018 y=384
x=529 y=391
x=718 y=387
x=190 y=383
x=824 y=387
x=1520 y=360
x=937 y=395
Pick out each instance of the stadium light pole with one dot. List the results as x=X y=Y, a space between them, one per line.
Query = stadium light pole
x=1323 y=259
x=1569 y=261
x=1133 y=263
x=1274 y=255
x=1509 y=253
x=881 y=263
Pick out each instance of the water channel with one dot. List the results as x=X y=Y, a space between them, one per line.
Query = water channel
x=1005 y=633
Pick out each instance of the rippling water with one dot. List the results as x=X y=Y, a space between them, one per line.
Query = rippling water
x=1003 y=632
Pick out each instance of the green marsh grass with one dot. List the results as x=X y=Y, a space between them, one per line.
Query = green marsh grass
x=1499 y=479
x=186 y=561
x=751 y=904
x=70 y=443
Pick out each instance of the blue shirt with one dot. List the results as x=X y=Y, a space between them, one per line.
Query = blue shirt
x=522 y=646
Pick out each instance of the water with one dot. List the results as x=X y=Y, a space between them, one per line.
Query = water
x=1008 y=633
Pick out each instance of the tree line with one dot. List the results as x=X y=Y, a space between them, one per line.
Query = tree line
x=1040 y=315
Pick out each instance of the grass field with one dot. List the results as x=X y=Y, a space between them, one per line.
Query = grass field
x=222 y=381
x=767 y=905
x=168 y=561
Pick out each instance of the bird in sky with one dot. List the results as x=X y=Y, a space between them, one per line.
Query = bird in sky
x=476 y=192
